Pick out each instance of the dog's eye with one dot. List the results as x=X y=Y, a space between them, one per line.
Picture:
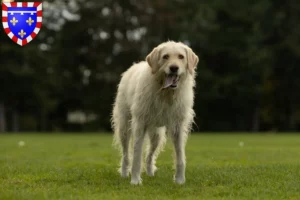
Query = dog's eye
x=181 y=57
x=166 y=57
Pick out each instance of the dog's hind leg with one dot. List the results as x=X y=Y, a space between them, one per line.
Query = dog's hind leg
x=157 y=141
x=138 y=130
x=125 y=138
x=122 y=138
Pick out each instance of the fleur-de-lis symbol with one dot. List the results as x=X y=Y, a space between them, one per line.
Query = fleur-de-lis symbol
x=29 y=21
x=14 y=21
x=22 y=33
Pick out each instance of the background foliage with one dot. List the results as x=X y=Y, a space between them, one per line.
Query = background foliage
x=65 y=80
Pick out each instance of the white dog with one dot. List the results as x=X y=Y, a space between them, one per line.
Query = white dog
x=155 y=96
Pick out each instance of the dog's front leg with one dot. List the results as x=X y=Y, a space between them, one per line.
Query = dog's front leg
x=179 y=140
x=139 y=135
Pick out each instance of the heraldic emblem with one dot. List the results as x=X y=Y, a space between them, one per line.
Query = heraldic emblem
x=22 y=21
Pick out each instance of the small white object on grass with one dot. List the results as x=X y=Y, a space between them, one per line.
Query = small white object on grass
x=21 y=143
x=241 y=143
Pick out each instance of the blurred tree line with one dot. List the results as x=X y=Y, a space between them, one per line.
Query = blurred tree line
x=66 y=78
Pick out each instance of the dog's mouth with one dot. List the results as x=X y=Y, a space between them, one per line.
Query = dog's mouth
x=171 y=81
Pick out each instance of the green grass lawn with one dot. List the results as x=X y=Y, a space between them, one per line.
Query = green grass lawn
x=70 y=166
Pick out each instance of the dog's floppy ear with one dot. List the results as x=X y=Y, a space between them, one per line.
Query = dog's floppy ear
x=192 y=60
x=152 y=59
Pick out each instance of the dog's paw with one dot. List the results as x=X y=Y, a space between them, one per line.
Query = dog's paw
x=151 y=170
x=179 y=180
x=124 y=173
x=137 y=181
x=150 y=173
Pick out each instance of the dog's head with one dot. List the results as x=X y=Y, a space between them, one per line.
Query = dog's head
x=172 y=60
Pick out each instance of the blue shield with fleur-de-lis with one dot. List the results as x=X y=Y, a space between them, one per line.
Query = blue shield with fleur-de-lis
x=22 y=21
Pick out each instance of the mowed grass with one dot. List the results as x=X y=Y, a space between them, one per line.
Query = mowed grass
x=219 y=166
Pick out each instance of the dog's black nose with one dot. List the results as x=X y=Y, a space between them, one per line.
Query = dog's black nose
x=173 y=68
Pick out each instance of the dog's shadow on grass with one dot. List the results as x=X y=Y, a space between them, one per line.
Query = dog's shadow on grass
x=107 y=176
x=106 y=179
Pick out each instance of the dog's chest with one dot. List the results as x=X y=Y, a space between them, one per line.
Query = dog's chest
x=163 y=111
